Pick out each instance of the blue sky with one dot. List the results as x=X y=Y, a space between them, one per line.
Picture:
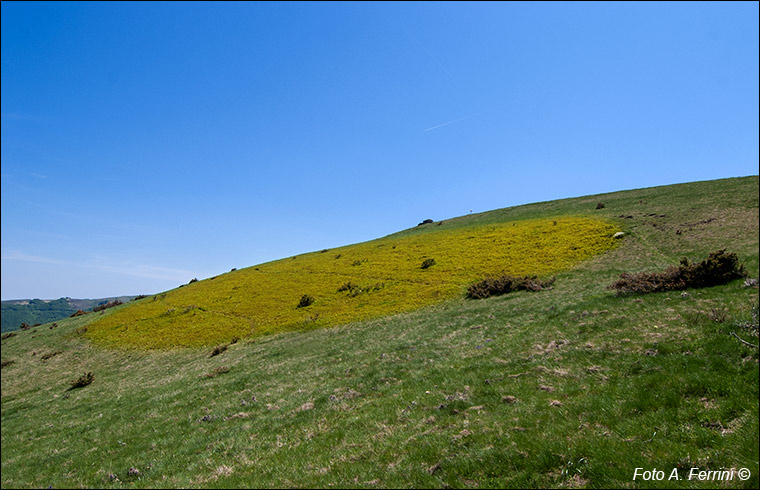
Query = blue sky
x=144 y=144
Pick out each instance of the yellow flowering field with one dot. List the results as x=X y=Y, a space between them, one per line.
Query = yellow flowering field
x=350 y=283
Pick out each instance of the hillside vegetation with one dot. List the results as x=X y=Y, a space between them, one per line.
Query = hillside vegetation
x=34 y=311
x=351 y=283
x=31 y=312
x=573 y=386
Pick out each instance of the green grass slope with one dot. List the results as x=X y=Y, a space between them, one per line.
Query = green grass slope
x=569 y=387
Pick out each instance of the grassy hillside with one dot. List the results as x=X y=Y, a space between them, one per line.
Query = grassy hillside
x=569 y=387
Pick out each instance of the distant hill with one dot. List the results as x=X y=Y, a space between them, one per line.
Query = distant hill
x=33 y=311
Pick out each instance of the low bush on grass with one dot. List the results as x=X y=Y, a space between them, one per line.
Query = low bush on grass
x=718 y=268
x=6 y=363
x=104 y=306
x=428 y=263
x=218 y=350
x=305 y=301
x=8 y=335
x=348 y=286
x=78 y=313
x=83 y=380
x=354 y=290
x=495 y=286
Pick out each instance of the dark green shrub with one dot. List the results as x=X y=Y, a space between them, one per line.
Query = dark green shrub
x=305 y=301
x=600 y=205
x=218 y=350
x=83 y=380
x=428 y=263
x=718 y=268
x=348 y=286
x=110 y=304
x=6 y=363
x=427 y=221
x=355 y=290
x=8 y=335
x=495 y=286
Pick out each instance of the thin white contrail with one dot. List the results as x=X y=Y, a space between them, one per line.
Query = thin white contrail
x=429 y=54
x=457 y=120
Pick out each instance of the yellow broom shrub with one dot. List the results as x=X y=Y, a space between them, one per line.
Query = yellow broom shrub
x=351 y=283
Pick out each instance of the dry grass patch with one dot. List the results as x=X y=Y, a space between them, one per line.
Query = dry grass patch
x=217 y=371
